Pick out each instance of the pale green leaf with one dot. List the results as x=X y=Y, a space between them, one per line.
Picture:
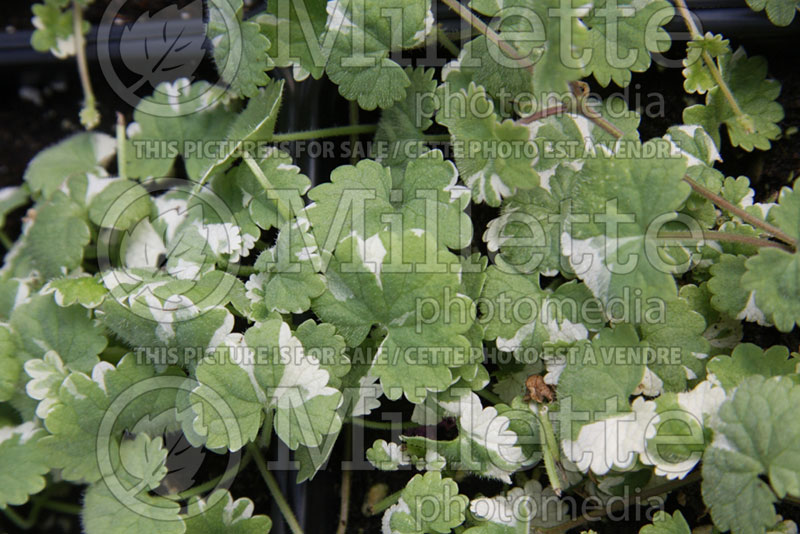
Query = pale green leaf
x=755 y=95
x=80 y=154
x=363 y=35
x=240 y=50
x=22 y=463
x=747 y=360
x=225 y=516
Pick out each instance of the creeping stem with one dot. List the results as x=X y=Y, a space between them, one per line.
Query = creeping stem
x=274 y=490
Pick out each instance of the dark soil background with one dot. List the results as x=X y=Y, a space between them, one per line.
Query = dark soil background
x=40 y=102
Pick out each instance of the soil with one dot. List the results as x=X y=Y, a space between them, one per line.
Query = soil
x=40 y=107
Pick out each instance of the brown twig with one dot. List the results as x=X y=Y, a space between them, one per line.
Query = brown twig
x=739 y=212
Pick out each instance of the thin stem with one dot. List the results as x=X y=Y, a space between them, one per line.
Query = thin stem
x=386 y=502
x=381 y=425
x=555 y=109
x=725 y=236
x=624 y=503
x=344 y=505
x=437 y=138
x=446 y=42
x=465 y=13
x=214 y=482
x=325 y=132
x=21 y=522
x=272 y=485
x=246 y=270
x=739 y=212
x=63 y=507
x=353 y=136
x=5 y=241
x=283 y=211
x=493 y=36
x=121 y=147
x=89 y=115
x=550 y=450
x=39 y=502
x=489 y=396
x=581 y=91
x=709 y=61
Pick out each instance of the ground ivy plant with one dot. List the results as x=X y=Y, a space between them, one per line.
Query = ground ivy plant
x=554 y=304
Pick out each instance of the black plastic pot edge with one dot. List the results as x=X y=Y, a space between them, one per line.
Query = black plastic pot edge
x=731 y=18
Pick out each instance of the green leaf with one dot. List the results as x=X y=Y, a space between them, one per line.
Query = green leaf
x=622 y=44
x=723 y=332
x=255 y=124
x=494 y=158
x=12 y=198
x=156 y=310
x=129 y=201
x=507 y=513
x=503 y=80
x=682 y=431
x=104 y=514
x=663 y=523
x=144 y=459
x=170 y=123
x=549 y=44
x=492 y=441
x=290 y=27
x=240 y=50
x=694 y=143
x=599 y=382
x=305 y=405
x=83 y=289
x=287 y=183
x=226 y=516
x=698 y=78
x=618 y=204
x=22 y=463
x=748 y=360
x=424 y=197
x=74 y=421
x=41 y=325
x=729 y=294
x=56 y=239
x=780 y=12
x=54 y=28
x=220 y=374
x=73 y=424
x=755 y=95
x=76 y=155
x=321 y=342
x=679 y=344
x=289 y=273
x=268 y=370
x=761 y=437
x=388 y=279
x=569 y=138
x=520 y=315
x=364 y=35
x=10 y=366
x=786 y=215
x=428 y=503
x=727 y=473
x=527 y=235
x=400 y=136
x=47 y=374
x=774 y=275
x=288 y=279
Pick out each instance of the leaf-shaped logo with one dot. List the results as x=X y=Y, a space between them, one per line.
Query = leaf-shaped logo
x=183 y=463
x=164 y=47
